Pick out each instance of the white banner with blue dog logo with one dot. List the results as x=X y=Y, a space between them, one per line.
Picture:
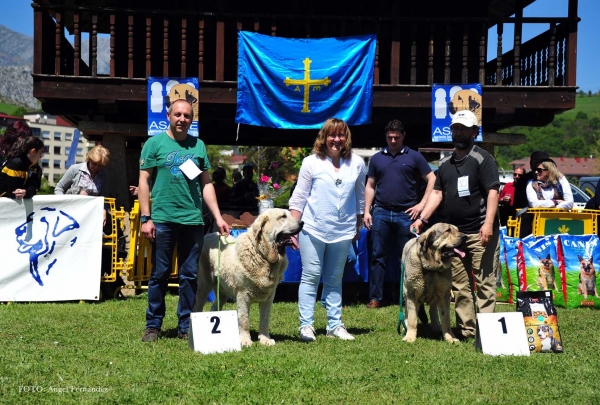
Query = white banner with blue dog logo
x=51 y=248
x=447 y=100
x=162 y=91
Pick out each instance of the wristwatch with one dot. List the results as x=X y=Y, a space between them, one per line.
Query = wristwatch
x=145 y=218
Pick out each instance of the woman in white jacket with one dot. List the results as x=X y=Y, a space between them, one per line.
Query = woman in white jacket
x=330 y=198
x=550 y=188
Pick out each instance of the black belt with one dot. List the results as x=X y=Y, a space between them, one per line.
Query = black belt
x=396 y=208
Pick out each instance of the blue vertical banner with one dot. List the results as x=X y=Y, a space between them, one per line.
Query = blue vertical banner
x=447 y=100
x=73 y=150
x=299 y=83
x=162 y=91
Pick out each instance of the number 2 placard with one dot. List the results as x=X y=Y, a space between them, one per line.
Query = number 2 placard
x=214 y=332
x=503 y=333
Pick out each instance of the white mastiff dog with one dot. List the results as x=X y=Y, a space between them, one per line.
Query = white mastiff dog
x=251 y=268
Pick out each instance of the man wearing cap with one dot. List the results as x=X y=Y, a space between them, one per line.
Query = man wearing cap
x=467 y=184
x=391 y=186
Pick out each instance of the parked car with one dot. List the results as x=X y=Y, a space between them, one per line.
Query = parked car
x=579 y=197
x=588 y=185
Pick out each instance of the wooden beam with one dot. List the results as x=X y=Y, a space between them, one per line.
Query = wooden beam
x=37 y=40
x=498 y=138
x=220 y=60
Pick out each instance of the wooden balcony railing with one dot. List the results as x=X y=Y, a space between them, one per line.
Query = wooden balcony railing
x=410 y=51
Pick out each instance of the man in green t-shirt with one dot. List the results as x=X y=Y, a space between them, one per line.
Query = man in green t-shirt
x=176 y=214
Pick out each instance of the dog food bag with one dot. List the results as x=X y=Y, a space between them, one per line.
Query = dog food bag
x=503 y=291
x=580 y=256
x=511 y=249
x=541 y=322
x=542 y=271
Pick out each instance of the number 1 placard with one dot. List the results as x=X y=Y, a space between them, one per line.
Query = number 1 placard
x=214 y=332
x=503 y=333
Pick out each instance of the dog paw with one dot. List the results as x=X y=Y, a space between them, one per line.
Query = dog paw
x=246 y=342
x=451 y=339
x=266 y=341
x=409 y=339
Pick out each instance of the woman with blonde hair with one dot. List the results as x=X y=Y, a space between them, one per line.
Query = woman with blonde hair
x=89 y=177
x=329 y=198
x=550 y=187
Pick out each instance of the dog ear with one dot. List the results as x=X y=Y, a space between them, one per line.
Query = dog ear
x=548 y=257
x=258 y=225
x=591 y=259
x=580 y=258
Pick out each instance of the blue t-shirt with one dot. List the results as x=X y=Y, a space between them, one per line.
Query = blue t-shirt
x=395 y=177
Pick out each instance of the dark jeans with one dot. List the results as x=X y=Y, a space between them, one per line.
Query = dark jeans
x=189 y=239
x=385 y=225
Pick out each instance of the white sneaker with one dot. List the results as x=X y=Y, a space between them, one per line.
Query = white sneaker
x=307 y=333
x=340 y=332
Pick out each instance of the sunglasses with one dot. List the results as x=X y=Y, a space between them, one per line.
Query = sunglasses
x=540 y=170
x=517 y=174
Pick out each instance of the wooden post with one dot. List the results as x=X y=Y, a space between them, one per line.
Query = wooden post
x=112 y=45
x=413 y=55
x=500 y=30
x=552 y=55
x=130 y=46
x=94 y=46
x=447 y=52
x=395 y=63
x=517 y=44
x=57 y=43
x=220 y=59
x=38 y=40
x=482 y=54
x=165 y=47
x=465 y=55
x=148 y=46
x=430 y=55
x=201 y=50
x=571 y=62
x=183 y=46
x=76 y=44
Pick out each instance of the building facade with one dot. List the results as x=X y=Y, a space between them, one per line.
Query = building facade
x=58 y=136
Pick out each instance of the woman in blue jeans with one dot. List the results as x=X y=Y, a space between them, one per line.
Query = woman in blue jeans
x=329 y=198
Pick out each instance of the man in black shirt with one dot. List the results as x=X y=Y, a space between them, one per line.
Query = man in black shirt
x=467 y=184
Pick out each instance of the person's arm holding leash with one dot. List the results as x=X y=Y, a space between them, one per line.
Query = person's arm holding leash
x=433 y=201
x=487 y=229
x=148 y=229
x=208 y=193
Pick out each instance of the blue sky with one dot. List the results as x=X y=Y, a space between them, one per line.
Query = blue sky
x=18 y=16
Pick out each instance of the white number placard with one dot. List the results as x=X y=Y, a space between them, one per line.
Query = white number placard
x=214 y=332
x=503 y=333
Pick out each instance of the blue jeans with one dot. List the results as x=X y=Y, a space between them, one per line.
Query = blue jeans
x=189 y=239
x=327 y=260
x=385 y=224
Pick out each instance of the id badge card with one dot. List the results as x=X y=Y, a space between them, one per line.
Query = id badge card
x=463 y=186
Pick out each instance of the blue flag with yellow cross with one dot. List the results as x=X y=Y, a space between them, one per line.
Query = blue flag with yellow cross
x=299 y=83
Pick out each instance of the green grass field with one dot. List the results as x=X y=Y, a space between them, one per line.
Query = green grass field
x=60 y=350
x=8 y=109
x=589 y=105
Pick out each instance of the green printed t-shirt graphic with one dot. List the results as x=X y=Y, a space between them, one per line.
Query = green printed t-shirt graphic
x=175 y=198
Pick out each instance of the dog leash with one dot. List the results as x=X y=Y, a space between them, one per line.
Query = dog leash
x=218 y=291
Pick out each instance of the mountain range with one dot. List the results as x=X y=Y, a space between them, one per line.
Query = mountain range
x=16 y=65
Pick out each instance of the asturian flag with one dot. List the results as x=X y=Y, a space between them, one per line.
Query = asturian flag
x=300 y=83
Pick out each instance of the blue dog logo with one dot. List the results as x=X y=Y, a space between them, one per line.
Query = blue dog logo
x=53 y=224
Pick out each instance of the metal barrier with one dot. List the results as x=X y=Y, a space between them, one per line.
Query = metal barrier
x=117 y=219
x=549 y=221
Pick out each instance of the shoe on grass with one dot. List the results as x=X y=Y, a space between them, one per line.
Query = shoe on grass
x=307 y=333
x=373 y=304
x=340 y=332
x=150 y=335
x=183 y=336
